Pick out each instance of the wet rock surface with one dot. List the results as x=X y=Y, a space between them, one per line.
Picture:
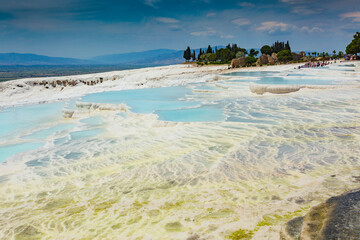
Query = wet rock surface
x=291 y=230
x=337 y=218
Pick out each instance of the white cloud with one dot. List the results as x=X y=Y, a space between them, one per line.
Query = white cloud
x=208 y=32
x=212 y=14
x=227 y=36
x=151 y=3
x=166 y=20
x=354 y=15
x=273 y=27
x=246 y=4
x=277 y=27
x=241 y=21
x=311 y=30
x=203 y=33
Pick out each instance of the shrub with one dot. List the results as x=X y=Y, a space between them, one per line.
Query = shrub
x=284 y=56
x=250 y=60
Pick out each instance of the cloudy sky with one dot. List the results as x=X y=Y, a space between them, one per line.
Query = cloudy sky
x=86 y=28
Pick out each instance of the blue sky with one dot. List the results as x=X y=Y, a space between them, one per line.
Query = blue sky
x=82 y=29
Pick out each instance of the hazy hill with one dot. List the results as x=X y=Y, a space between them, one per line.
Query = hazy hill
x=152 y=57
x=148 y=58
x=10 y=59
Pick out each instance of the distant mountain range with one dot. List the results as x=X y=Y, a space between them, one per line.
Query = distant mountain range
x=8 y=59
x=152 y=57
x=148 y=58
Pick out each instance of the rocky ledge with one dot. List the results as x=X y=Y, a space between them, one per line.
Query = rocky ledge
x=337 y=218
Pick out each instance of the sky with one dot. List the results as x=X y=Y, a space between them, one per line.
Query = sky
x=84 y=29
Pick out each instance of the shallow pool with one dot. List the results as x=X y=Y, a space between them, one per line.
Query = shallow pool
x=292 y=81
x=146 y=100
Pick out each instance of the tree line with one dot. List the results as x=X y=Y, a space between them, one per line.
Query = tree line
x=222 y=55
x=215 y=55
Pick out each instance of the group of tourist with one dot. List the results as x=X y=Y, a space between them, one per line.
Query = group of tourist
x=315 y=64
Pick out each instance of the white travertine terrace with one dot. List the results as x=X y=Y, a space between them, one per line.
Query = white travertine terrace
x=143 y=178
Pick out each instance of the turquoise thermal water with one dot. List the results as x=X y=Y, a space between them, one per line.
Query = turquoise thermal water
x=288 y=81
x=29 y=126
x=251 y=74
x=170 y=103
x=10 y=150
x=205 y=113
x=177 y=104
x=44 y=133
x=146 y=100
x=22 y=118
x=271 y=78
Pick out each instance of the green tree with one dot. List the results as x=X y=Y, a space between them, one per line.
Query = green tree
x=234 y=48
x=253 y=52
x=334 y=52
x=284 y=56
x=211 y=57
x=240 y=54
x=287 y=46
x=200 y=53
x=266 y=49
x=187 y=54
x=278 y=46
x=341 y=54
x=250 y=60
x=354 y=46
x=208 y=57
x=225 y=55
x=193 y=56
x=209 y=49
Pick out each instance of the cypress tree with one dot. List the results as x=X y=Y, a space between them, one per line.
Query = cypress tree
x=193 y=56
x=279 y=46
x=287 y=46
x=234 y=48
x=187 y=54
x=209 y=49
